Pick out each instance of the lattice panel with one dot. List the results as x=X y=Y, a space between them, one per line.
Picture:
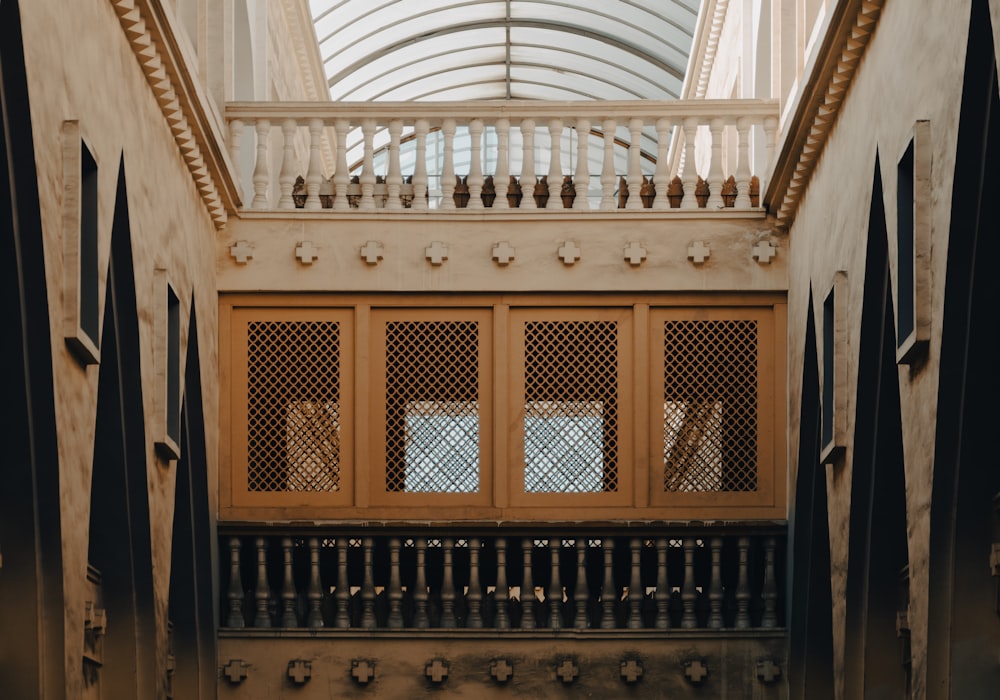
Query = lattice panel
x=571 y=406
x=293 y=406
x=432 y=406
x=710 y=405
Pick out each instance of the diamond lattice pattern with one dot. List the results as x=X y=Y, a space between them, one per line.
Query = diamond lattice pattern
x=571 y=406
x=432 y=406
x=293 y=406
x=710 y=406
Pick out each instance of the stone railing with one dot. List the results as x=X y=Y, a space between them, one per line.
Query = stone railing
x=390 y=577
x=657 y=155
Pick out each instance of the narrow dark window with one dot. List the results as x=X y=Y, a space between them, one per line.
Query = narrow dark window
x=828 y=369
x=173 y=366
x=906 y=250
x=89 y=321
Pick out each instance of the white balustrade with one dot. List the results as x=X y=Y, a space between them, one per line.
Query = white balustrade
x=386 y=148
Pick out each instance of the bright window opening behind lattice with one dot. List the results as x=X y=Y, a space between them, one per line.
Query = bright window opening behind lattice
x=432 y=406
x=571 y=406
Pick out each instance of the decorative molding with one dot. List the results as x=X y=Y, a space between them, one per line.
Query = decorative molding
x=158 y=56
x=706 y=45
x=846 y=40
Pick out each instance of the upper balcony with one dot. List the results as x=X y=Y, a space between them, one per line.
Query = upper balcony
x=495 y=156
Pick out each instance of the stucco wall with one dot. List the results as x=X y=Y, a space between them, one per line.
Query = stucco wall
x=80 y=67
x=900 y=80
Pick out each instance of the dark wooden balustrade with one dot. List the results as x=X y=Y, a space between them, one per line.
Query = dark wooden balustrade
x=542 y=578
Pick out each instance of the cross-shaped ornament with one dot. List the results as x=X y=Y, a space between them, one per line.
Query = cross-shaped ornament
x=306 y=252
x=371 y=251
x=235 y=671
x=631 y=670
x=695 y=671
x=437 y=671
x=362 y=671
x=503 y=253
x=437 y=253
x=763 y=252
x=501 y=670
x=569 y=252
x=768 y=671
x=635 y=253
x=241 y=251
x=567 y=671
x=299 y=671
x=698 y=252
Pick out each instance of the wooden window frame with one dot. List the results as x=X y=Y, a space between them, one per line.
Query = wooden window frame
x=770 y=416
x=236 y=492
x=378 y=493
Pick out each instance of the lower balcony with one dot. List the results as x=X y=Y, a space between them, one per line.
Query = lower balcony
x=399 y=610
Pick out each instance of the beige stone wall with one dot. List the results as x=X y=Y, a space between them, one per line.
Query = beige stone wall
x=899 y=81
x=80 y=66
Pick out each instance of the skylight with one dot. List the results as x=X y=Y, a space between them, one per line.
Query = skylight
x=403 y=50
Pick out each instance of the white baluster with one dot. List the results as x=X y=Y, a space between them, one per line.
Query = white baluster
x=341 y=177
x=662 y=176
x=286 y=177
x=582 y=176
x=235 y=136
x=528 y=161
x=690 y=178
x=716 y=177
x=261 y=173
x=314 y=177
x=502 y=175
x=743 y=173
x=368 y=166
x=555 y=175
x=394 y=177
x=475 y=179
x=608 y=168
x=448 y=167
x=420 y=128
x=634 y=164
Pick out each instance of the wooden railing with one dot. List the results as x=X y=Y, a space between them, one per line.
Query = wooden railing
x=552 y=577
x=622 y=155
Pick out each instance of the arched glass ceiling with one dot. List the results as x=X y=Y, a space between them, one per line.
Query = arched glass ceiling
x=494 y=49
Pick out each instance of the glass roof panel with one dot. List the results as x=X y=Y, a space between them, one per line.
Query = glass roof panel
x=418 y=49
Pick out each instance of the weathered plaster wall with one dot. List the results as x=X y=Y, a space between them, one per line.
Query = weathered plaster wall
x=899 y=81
x=80 y=67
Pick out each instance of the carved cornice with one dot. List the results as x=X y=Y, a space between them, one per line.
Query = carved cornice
x=302 y=34
x=706 y=43
x=185 y=114
x=850 y=30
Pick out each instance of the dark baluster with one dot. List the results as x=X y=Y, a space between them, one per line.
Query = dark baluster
x=315 y=594
x=743 y=587
x=475 y=596
x=288 y=616
x=502 y=593
x=608 y=589
x=662 y=586
x=581 y=594
x=368 y=586
x=715 y=586
x=555 y=593
x=342 y=595
x=420 y=620
x=769 y=591
x=636 y=593
x=448 y=587
x=395 y=586
x=262 y=593
x=235 y=593
x=689 y=594
x=527 y=589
